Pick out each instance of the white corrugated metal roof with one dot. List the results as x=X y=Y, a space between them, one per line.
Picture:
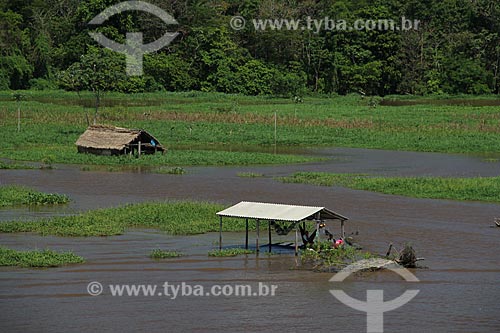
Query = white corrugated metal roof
x=278 y=212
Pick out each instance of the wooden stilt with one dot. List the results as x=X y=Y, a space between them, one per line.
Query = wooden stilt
x=257 y=237
x=270 y=243
x=297 y=240
x=318 y=223
x=246 y=234
x=317 y=232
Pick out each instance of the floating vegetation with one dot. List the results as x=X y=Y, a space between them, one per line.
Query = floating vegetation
x=164 y=254
x=473 y=189
x=232 y=252
x=43 y=258
x=323 y=257
x=176 y=218
x=19 y=195
x=250 y=174
x=171 y=171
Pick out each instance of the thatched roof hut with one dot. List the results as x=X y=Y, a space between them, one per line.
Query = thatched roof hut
x=110 y=140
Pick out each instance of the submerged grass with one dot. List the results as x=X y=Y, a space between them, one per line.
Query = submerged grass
x=171 y=171
x=19 y=195
x=176 y=218
x=164 y=254
x=43 y=258
x=232 y=252
x=470 y=189
x=250 y=174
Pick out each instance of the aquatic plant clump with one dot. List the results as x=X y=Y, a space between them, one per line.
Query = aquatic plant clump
x=37 y=258
x=171 y=171
x=323 y=257
x=232 y=252
x=164 y=254
x=20 y=195
x=250 y=175
x=473 y=189
x=175 y=218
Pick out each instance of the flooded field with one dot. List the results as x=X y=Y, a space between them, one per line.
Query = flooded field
x=451 y=101
x=458 y=291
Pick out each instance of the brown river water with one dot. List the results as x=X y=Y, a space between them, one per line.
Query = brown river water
x=459 y=289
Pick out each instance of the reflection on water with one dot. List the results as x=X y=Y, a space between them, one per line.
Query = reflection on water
x=459 y=290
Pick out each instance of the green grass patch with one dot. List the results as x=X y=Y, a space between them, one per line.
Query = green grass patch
x=250 y=174
x=176 y=218
x=232 y=252
x=20 y=195
x=209 y=122
x=324 y=256
x=14 y=166
x=469 y=189
x=164 y=254
x=43 y=258
x=66 y=153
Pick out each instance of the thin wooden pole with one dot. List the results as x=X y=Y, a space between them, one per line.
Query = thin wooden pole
x=342 y=230
x=257 y=237
x=139 y=149
x=18 y=117
x=275 y=130
x=220 y=232
x=246 y=234
x=270 y=244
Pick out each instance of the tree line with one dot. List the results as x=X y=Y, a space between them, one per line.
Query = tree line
x=44 y=44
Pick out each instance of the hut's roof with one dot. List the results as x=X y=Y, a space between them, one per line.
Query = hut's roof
x=278 y=212
x=109 y=137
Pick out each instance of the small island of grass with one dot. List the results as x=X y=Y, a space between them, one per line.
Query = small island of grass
x=13 y=195
x=37 y=258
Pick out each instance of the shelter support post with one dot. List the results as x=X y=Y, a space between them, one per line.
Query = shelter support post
x=246 y=234
x=342 y=229
x=220 y=232
x=139 y=149
x=318 y=224
x=257 y=237
x=296 y=240
x=270 y=243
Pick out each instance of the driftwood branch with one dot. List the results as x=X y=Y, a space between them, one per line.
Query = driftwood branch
x=406 y=257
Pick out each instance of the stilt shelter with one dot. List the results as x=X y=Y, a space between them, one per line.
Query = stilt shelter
x=293 y=215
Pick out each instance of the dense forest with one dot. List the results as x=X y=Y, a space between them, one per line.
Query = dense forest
x=45 y=44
